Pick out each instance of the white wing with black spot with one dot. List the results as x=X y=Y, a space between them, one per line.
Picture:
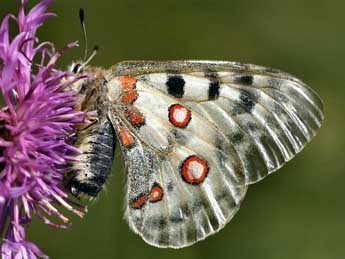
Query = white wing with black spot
x=195 y=134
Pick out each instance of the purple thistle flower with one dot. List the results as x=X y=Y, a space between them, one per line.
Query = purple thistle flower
x=35 y=129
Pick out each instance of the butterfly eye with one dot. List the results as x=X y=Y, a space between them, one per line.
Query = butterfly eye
x=77 y=68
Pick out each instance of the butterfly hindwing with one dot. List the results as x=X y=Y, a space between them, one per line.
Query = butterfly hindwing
x=195 y=134
x=165 y=209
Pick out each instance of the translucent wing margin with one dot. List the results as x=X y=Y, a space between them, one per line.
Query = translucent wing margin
x=230 y=122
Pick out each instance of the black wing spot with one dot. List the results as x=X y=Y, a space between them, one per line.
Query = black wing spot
x=181 y=136
x=170 y=186
x=244 y=80
x=175 y=86
x=213 y=91
x=247 y=101
x=156 y=222
x=237 y=138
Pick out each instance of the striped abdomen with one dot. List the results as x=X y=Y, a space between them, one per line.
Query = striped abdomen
x=88 y=175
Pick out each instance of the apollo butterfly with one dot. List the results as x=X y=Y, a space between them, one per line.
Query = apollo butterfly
x=193 y=136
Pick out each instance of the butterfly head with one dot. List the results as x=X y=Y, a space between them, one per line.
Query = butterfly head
x=79 y=66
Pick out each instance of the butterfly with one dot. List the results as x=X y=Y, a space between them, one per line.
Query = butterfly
x=193 y=135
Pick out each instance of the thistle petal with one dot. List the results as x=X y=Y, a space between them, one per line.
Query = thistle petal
x=36 y=126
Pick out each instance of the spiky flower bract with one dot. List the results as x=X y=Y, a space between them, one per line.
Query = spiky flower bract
x=36 y=125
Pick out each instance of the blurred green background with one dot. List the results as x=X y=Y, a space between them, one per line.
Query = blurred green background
x=297 y=213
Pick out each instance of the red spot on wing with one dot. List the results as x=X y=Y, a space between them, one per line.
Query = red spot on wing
x=126 y=137
x=135 y=116
x=129 y=97
x=128 y=82
x=179 y=115
x=139 y=202
x=156 y=193
x=194 y=170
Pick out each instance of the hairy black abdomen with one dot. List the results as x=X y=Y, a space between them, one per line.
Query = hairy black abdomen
x=88 y=175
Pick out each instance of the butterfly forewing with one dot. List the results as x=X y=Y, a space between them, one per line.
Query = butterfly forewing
x=195 y=134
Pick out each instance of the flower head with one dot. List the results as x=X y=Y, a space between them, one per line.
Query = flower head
x=35 y=131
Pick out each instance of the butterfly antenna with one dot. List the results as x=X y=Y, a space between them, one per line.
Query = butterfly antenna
x=82 y=22
x=94 y=52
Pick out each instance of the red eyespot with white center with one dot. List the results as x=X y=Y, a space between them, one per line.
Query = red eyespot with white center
x=156 y=193
x=194 y=170
x=179 y=115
